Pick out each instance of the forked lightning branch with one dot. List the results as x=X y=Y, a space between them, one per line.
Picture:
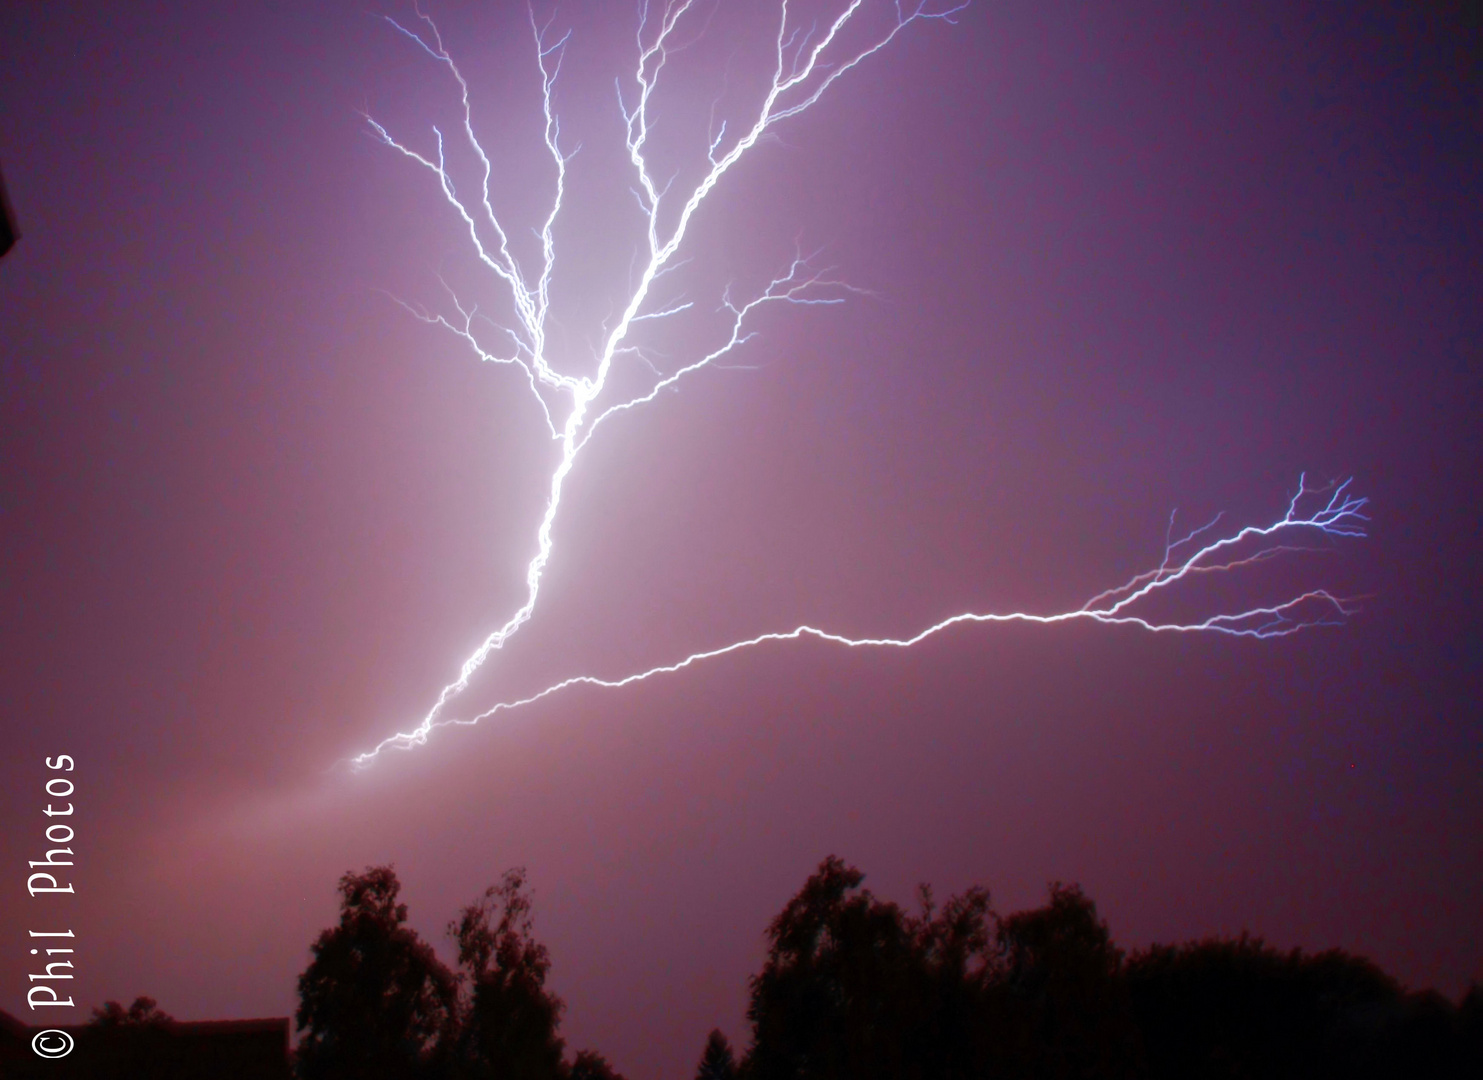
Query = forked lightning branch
x=807 y=58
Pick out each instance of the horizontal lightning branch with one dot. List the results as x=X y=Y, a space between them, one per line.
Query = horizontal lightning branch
x=1341 y=515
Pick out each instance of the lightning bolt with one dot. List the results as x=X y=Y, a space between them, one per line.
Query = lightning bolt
x=807 y=63
x=1341 y=515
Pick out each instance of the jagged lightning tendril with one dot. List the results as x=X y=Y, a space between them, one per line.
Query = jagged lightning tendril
x=1342 y=515
x=798 y=82
x=807 y=63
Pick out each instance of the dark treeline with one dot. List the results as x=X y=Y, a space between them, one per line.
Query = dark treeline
x=856 y=988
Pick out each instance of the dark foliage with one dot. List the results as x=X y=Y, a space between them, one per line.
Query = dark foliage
x=590 y=1065
x=130 y=1037
x=509 y=1030
x=1470 y=1032
x=717 y=1061
x=1242 y=1009
x=1057 y=1005
x=145 y=1012
x=853 y=987
x=375 y=1003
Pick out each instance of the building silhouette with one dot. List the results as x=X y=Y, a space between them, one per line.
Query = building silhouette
x=9 y=234
x=169 y=1050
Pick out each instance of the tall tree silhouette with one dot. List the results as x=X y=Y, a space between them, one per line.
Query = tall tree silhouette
x=836 y=988
x=1058 y=1002
x=717 y=1061
x=855 y=988
x=375 y=1003
x=510 y=1026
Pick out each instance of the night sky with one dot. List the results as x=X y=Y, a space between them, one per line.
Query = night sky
x=1114 y=261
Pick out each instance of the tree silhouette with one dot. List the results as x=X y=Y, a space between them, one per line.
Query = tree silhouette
x=125 y=1042
x=1470 y=1031
x=1242 y=1008
x=145 y=1012
x=717 y=1061
x=375 y=1003
x=1059 y=1004
x=854 y=988
x=590 y=1065
x=509 y=1030
x=835 y=989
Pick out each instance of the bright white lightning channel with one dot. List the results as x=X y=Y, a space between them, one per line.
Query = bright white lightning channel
x=807 y=63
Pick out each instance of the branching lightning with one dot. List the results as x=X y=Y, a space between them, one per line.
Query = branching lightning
x=807 y=64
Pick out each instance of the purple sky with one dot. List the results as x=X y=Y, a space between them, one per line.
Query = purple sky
x=253 y=515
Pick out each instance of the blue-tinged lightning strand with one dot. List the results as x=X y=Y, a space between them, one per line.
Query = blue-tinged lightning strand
x=807 y=63
x=1342 y=514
